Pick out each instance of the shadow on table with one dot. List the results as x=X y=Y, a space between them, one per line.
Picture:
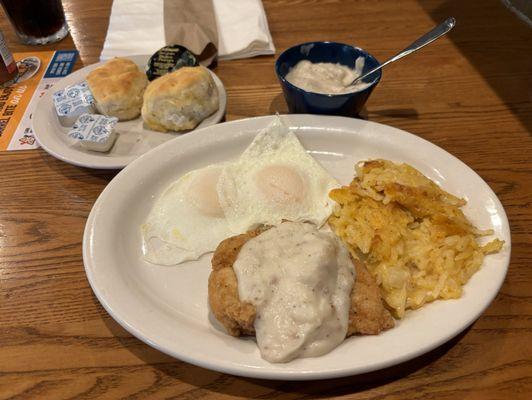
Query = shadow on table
x=82 y=174
x=203 y=379
x=497 y=43
x=363 y=382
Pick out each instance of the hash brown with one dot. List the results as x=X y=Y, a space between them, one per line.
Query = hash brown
x=413 y=236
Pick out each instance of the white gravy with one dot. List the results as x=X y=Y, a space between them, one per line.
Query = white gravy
x=326 y=78
x=300 y=280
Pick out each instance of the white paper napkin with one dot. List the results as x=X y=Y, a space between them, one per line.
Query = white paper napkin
x=136 y=27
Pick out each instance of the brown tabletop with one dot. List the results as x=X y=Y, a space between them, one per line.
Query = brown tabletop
x=469 y=93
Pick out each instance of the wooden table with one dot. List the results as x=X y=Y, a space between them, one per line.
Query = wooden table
x=469 y=93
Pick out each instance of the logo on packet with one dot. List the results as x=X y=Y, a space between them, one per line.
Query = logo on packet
x=64 y=109
x=99 y=130
x=76 y=135
x=73 y=92
x=85 y=119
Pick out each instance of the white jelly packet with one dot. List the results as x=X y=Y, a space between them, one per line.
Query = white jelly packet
x=73 y=101
x=94 y=132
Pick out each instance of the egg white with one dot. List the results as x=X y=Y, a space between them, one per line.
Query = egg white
x=274 y=179
x=186 y=221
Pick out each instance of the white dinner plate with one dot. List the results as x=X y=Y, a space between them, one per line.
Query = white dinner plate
x=133 y=139
x=167 y=308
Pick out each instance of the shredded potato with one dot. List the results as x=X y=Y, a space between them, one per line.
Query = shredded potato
x=413 y=236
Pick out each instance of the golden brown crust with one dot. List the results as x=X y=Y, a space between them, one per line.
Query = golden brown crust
x=237 y=317
x=367 y=315
x=227 y=251
x=118 y=88
x=180 y=100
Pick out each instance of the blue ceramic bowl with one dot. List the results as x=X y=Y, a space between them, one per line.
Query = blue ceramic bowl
x=301 y=101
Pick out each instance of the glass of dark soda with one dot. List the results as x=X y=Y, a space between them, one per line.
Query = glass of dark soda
x=37 y=21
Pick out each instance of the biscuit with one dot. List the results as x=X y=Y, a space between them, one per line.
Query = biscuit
x=118 y=88
x=180 y=100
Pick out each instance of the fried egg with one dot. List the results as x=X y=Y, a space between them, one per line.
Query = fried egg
x=187 y=220
x=275 y=179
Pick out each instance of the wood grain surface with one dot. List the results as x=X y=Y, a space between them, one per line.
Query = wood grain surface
x=469 y=93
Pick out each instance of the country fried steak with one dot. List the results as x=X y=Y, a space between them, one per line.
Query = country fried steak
x=367 y=314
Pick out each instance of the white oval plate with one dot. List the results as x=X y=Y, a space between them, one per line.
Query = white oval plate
x=133 y=139
x=166 y=307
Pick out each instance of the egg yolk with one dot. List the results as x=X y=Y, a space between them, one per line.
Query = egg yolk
x=281 y=184
x=202 y=193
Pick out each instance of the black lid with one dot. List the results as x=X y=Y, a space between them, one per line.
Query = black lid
x=169 y=59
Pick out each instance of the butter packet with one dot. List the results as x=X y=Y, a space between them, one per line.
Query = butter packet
x=94 y=132
x=73 y=101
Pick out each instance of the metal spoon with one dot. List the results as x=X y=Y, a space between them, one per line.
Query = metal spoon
x=427 y=38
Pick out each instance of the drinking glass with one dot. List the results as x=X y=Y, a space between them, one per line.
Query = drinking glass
x=37 y=21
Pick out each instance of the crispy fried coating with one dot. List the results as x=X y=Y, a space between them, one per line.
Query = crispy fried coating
x=367 y=315
x=236 y=316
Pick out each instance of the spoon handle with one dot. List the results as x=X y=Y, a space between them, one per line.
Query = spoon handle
x=427 y=38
